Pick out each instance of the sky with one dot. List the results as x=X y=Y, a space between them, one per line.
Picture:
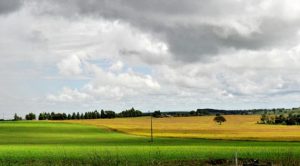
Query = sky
x=174 y=55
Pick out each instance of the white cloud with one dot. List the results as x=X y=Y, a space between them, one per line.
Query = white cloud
x=245 y=53
x=241 y=73
x=116 y=67
x=70 y=66
x=108 y=85
x=69 y=95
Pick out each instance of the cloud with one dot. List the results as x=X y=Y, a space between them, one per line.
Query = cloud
x=116 y=67
x=198 y=30
x=70 y=66
x=108 y=85
x=168 y=55
x=9 y=6
x=69 y=95
x=232 y=74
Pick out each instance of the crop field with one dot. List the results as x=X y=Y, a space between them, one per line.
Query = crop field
x=237 y=127
x=61 y=143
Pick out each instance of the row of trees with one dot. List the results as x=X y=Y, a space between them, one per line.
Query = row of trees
x=218 y=118
x=290 y=119
x=87 y=115
x=30 y=116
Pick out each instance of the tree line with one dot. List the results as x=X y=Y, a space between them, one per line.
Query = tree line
x=284 y=119
x=87 y=115
x=279 y=112
x=209 y=111
x=77 y=115
x=204 y=112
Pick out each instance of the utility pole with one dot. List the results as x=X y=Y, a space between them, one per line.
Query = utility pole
x=151 y=127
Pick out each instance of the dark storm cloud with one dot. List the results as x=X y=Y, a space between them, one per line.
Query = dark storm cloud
x=180 y=24
x=7 y=6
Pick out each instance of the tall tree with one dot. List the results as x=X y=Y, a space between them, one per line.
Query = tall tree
x=73 y=115
x=102 y=115
x=16 y=117
x=77 y=115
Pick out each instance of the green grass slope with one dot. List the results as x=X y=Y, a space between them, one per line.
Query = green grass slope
x=53 y=143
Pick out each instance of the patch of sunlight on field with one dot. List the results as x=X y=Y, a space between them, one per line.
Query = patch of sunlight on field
x=237 y=127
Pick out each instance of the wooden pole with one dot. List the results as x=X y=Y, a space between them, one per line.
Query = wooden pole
x=151 y=128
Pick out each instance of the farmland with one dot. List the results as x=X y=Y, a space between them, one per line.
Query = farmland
x=91 y=143
x=237 y=127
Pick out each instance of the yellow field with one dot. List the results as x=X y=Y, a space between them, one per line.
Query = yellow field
x=237 y=127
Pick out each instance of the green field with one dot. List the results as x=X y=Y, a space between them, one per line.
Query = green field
x=42 y=143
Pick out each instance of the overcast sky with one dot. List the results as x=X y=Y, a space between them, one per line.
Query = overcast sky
x=76 y=55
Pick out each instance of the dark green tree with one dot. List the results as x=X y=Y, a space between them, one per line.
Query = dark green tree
x=42 y=116
x=102 y=115
x=193 y=113
x=110 y=114
x=130 y=113
x=77 y=115
x=98 y=115
x=16 y=117
x=219 y=119
x=156 y=114
x=73 y=115
x=65 y=117
x=30 y=116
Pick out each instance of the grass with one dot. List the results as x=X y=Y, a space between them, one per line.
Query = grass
x=237 y=127
x=48 y=143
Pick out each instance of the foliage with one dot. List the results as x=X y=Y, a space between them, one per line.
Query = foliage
x=131 y=113
x=30 y=116
x=157 y=114
x=87 y=115
x=109 y=114
x=16 y=117
x=283 y=119
x=201 y=112
x=219 y=119
x=209 y=111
